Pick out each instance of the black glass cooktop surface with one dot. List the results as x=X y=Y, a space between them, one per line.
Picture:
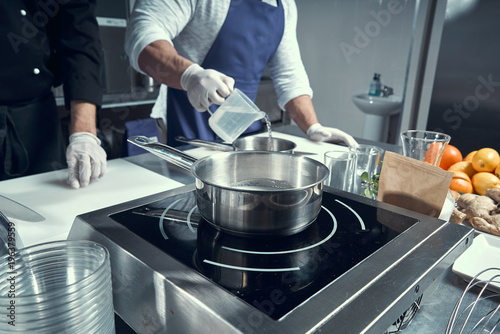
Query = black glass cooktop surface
x=274 y=275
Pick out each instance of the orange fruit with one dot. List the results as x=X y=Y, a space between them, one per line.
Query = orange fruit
x=485 y=160
x=469 y=156
x=461 y=175
x=451 y=155
x=432 y=153
x=483 y=180
x=497 y=171
x=461 y=182
x=463 y=166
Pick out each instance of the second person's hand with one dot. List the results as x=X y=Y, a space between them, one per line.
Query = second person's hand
x=86 y=159
x=205 y=87
x=317 y=132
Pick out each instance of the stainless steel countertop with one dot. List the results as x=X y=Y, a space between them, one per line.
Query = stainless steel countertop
x=438 y=301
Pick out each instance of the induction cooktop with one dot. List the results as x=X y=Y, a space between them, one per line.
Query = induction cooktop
x=298 y=266
x=357 y=267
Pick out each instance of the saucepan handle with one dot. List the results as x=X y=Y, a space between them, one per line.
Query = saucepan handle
x=163 y=151
x=206 y=144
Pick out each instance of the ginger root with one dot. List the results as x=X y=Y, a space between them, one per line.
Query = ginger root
x=457 y=216
x=489 y=224
x=494 y=194
x=482 y=212
x=476 y=206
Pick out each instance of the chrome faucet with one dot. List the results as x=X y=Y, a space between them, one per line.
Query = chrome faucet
x=386 y=91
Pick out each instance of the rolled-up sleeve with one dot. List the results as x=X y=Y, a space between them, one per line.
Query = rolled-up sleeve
x=152 y=21
x=286 y=67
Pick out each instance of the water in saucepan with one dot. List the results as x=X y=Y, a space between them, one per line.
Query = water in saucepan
x=262 y=184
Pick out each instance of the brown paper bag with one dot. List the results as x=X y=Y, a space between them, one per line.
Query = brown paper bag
x=413 y=184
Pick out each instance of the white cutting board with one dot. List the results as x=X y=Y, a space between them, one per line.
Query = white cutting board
x=49 y=195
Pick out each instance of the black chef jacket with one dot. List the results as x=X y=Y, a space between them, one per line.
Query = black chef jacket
x=44 y=43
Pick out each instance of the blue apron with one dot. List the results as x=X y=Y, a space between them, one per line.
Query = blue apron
x=246 y=42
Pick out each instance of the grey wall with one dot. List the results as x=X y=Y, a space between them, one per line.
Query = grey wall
x=341 y=60
x=466 y=96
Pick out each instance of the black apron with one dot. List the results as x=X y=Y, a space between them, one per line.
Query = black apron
x=31 y=139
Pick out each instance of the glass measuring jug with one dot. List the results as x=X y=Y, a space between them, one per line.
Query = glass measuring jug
x=234 y=116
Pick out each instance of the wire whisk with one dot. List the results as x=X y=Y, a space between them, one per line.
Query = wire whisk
x=477 y=314
x=406 y=318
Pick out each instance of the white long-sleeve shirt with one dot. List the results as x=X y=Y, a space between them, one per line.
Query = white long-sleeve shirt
x=193 y=25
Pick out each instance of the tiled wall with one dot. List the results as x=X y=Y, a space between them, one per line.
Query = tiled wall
x=343 y=43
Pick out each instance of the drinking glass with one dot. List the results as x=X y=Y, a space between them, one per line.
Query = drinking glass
x=341 y=164
x=427 y=146
x=367 y=160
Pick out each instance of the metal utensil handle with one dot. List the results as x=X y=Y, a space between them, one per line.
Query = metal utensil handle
x=206 y=144
x=163 y=151
x=8 y=239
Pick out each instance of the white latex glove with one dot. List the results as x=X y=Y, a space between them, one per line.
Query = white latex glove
x=86 y=159
x=317 y=132
x=205 y=87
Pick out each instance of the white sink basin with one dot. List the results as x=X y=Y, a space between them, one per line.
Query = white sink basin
x=379 y=106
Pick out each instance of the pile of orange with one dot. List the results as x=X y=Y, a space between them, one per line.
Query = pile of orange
x=477 y=172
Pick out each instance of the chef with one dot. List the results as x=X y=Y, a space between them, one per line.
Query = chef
x=46 y=43
x=202 y=49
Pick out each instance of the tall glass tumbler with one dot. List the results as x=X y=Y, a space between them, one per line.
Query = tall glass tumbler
x=341 y=164
x=427 y=146
x=367 y=160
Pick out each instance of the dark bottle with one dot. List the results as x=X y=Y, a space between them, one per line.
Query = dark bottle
x=375 y=86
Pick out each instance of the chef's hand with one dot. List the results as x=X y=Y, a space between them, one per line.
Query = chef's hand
x=317 y=132
x=86 y=159
x=205 y=87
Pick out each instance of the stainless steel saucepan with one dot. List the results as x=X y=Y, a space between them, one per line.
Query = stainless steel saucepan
x=245 y=144
x=251 y=193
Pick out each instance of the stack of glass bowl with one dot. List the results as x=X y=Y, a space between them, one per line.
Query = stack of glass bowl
x=57 y=287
